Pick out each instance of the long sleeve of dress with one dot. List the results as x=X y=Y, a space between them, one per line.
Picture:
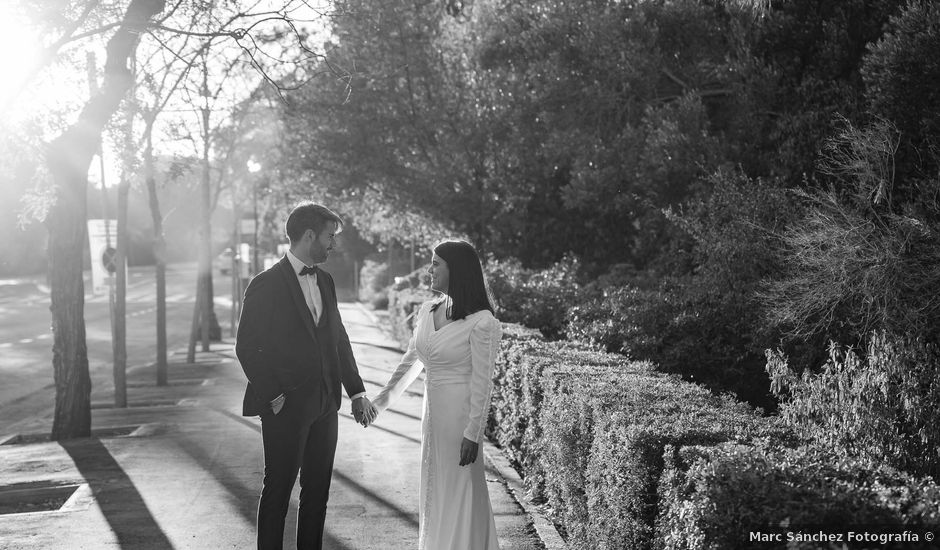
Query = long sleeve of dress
x=407 y=372
x=484 y=344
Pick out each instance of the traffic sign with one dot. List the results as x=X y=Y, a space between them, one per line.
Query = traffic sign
x=109 y=259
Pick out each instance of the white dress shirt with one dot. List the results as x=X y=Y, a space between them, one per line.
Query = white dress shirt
x=308 y=285
x=312 y=296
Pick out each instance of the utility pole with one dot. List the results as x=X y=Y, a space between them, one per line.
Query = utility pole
x=116 y=305
x=119 y=344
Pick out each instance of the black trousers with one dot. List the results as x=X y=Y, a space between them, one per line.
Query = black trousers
x=300 y=437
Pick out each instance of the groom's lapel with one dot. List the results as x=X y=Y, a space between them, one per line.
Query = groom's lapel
x=329 y=305
x=297 y=295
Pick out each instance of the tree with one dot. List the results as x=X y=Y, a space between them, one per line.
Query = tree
x=900 y=74
x=69 y=157
x=397 y=120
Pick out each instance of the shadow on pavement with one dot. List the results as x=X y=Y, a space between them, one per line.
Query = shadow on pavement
x=243 y=497
x=116 y=495
x=401 y=513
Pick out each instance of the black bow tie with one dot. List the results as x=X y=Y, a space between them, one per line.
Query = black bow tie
x=308 y=271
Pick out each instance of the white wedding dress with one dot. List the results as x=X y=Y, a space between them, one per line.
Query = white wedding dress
x=458 y=359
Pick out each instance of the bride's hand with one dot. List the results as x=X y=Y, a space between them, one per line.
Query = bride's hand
x=468 y=451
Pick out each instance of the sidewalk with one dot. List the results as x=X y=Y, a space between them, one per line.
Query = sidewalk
x=180 y=468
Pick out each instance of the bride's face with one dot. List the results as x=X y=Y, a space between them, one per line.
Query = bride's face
x=439 y=274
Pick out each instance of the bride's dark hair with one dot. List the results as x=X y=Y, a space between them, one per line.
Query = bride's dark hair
x=466 y=285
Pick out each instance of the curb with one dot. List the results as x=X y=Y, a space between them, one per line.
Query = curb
x=544 y=528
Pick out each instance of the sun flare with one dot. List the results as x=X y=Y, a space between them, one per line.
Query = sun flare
x=19 y=51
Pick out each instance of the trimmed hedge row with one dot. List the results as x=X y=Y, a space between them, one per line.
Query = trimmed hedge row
x=627 y=457
x=588 y=431
x=716 y=497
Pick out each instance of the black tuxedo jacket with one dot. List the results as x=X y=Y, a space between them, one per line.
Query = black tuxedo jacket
x=280 y=349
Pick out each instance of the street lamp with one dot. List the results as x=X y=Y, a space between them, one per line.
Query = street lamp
x=254 y=167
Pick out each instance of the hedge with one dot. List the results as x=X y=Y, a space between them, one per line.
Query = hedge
x=588 y=431
x=715 y=497
x=628 y=457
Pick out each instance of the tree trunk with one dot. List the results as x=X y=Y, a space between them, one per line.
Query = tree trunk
x=69 y=157
x=215 y=329
x=209 y=328
x=159 y=254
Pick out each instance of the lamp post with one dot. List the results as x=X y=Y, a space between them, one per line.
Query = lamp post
x=254 y=168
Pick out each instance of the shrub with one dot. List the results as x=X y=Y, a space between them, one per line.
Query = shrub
x=714 y=497
x=373 y=277
x=858 y=261
x=537 y=299
x=684 y=328
x=515 y=397
x=518 y=395
x=603 y=424
x=702 y=319
x=417 y=279
x=588 y=429
x=881 y=406
x=402 y=306
x=632 y=426
x=616 y=450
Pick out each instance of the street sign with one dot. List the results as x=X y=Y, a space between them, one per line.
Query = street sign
x=102 y=242
x=109 y=259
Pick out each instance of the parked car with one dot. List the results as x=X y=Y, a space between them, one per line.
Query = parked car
x=223 y=262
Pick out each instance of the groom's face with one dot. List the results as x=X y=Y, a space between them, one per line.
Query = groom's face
x=320 y=245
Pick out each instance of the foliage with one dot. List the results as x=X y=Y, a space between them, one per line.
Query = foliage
x=900 y=73
x=705 y=323
x=626 y=457
x=857 y=261
x=373 y=278
x=715 y=497
x=403 y=304
x=588 y=431
x=880 y=406
x=610 y=115
x=531 y=128
x=404 y=127
x=21 y=241
x=534 y=298
x=803 y=73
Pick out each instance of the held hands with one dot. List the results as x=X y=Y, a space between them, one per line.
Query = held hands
x=364 y=411
x=468 y=451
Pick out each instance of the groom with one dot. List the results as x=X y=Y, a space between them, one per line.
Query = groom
x=295 y=352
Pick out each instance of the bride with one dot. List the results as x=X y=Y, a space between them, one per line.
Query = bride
x=455 y=340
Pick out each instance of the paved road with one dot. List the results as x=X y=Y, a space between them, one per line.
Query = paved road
x=26 y=337
x=181 y=468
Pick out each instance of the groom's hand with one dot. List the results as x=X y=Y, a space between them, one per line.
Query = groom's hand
x=363 y=411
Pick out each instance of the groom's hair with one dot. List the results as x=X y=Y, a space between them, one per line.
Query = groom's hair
x=309 y=215
x=466 y=284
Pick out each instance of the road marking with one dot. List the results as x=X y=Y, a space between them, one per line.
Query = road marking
x=25 y=341
x=6 y=345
